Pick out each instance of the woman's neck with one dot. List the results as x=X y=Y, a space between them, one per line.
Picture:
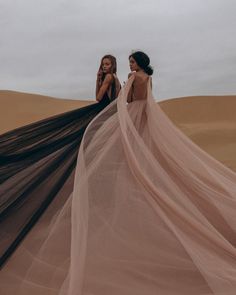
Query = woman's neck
x=140 y=70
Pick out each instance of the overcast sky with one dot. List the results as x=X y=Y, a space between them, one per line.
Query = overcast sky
x=53 y=47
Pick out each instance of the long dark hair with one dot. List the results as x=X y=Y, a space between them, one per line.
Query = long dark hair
x=143 y=61
x=113 y=64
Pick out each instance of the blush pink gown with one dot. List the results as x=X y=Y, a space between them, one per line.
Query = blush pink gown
x=151 y=213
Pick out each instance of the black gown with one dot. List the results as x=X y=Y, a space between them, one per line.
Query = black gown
x=37 y=164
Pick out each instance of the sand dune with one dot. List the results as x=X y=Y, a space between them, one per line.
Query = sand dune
x=209 y=121
x=18 y=108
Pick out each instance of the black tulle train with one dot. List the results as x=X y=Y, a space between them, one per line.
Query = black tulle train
x=35 y=162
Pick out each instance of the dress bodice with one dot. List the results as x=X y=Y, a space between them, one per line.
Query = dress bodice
x=112 y=92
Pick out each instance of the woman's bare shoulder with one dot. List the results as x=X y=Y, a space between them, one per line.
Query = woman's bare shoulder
x=109 y=77
x=131 y=74
x=142 y=75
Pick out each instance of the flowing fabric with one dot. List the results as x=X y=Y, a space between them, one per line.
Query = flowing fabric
x=151 y=213
x=35 y=162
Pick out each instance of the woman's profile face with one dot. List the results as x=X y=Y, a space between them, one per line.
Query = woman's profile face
x=106 y=65
x=133 y=64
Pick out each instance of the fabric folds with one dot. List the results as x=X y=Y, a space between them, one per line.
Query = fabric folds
x=150 y=213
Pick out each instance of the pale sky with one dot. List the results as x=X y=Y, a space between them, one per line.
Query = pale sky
x=53 y=47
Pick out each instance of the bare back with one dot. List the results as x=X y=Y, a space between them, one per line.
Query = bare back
x=138 y=90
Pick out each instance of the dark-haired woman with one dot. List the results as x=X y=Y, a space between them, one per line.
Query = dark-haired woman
x=140 y=67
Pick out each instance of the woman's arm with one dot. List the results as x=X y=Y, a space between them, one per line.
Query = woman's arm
x=105 y=85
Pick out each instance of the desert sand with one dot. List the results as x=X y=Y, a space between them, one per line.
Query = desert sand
x=209 y=121
x=18 y=108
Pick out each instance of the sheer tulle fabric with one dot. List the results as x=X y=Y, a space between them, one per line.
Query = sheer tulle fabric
x=151 y=213
x=35 y=162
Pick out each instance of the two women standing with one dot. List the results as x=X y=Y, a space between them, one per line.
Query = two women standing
x=150 y=213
